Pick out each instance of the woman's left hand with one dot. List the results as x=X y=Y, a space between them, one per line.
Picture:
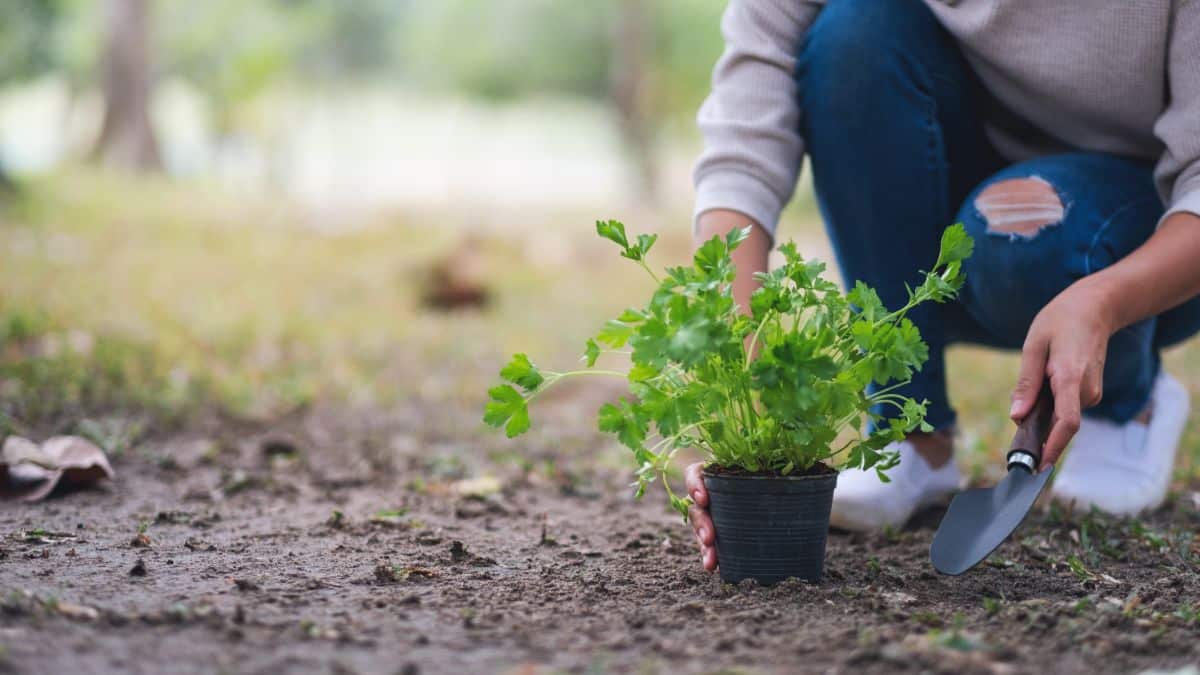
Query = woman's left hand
x=1067 y=342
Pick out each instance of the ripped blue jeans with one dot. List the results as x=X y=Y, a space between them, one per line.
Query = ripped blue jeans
x=893 y=122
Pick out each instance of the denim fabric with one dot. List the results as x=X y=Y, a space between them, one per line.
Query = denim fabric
x=892 y=118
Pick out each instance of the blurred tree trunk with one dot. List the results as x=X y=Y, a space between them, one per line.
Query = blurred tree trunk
x=630 y=93
x=127 y=137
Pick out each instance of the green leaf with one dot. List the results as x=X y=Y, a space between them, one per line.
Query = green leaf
x=867 y=300
x=507 y=408
x=640 y=372
x=518 y=423
x=632 y=316
x=615 y=333
x=639 y=251
x=613 y=231
x=681 y=506
x=624 y=423
x=956 y=245
x=592 y=353
x=736 y=236
x=521 y=371
x=791 y=254
x=711 y=256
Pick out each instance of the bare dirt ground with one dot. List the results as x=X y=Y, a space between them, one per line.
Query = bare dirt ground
x=405 y=542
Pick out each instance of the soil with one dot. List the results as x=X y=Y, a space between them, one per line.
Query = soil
x=338 y=541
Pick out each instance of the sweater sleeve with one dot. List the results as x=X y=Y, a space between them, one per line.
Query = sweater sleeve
x=1178 y=172
x=751 y=119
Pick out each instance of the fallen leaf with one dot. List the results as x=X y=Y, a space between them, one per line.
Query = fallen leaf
x=482 y=486
x=459 y=280
x=78 y=612
x=30 y=472
x=899 y=598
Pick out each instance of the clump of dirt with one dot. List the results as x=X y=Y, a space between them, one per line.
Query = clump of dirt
x=566 y=573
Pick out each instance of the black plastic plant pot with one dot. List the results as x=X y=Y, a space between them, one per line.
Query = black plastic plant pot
x=770 y=528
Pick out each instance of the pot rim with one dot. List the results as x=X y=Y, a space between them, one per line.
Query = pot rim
x=832 y=473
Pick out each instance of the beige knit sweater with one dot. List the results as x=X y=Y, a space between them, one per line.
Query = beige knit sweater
x=1117 y=76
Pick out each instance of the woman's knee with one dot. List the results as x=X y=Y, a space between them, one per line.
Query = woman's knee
x=1041 y=225
x=1022 y=257
x=1018 y=207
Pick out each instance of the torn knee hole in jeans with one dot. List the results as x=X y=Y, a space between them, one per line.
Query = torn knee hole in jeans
x=1020 y=207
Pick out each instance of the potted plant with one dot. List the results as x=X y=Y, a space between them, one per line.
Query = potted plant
x=774 y=395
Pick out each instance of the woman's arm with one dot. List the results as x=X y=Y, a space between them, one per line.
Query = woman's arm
x=751 y=119
x=1161 y=274
x=1068 y=339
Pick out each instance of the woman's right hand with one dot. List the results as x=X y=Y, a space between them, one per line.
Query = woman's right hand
x=702 y=524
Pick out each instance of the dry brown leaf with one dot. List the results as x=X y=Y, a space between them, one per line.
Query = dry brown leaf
x=30 y=472
x=482 y=486
x=459 y=279
x=78 y=612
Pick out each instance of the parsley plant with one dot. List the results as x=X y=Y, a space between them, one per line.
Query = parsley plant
x=693 y=382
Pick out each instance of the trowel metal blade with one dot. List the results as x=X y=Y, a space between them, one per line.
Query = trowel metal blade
x=979 y=520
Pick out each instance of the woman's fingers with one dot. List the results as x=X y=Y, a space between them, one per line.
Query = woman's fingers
x=1029 y=378
x=1091 y=390
x=705 y=535
x=695 y=484
x=1066 y=388
x=698 y=516
x=701 y=525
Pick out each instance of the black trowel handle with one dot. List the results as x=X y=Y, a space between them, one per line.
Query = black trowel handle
x=1026 y=449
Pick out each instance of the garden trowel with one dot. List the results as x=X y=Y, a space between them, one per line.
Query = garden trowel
x=980 y=519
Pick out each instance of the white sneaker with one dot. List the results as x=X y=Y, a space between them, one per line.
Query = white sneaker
x=862 y=502
x=1124 y=469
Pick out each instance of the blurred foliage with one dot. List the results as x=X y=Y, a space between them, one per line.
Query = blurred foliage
x=234 y=51
x=505 y=49
x=26 y=44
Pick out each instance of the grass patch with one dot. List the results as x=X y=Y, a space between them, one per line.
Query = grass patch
x=146 y=296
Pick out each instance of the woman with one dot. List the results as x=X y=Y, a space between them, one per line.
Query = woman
x=1065 y=135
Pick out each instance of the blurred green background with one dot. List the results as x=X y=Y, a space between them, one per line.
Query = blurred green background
x=241 y=208
x=250 y=206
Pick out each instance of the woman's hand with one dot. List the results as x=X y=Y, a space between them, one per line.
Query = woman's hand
x=1067 y=342
x=702 y=524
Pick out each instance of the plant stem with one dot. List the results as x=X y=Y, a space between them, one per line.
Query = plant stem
x=649 y=271
x=754 y=341
x=589 y=371
x=552 y=378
